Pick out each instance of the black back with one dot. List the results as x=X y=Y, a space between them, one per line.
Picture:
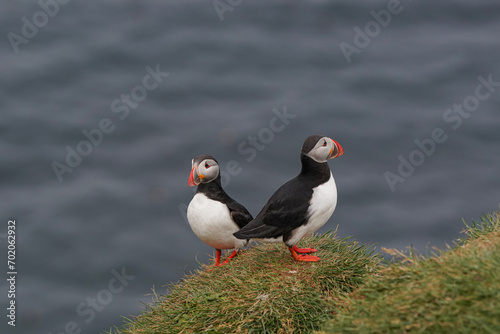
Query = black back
x=214 y=191
x=287 y=208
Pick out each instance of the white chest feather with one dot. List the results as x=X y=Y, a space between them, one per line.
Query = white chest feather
x=211 y=222
x=321 y=207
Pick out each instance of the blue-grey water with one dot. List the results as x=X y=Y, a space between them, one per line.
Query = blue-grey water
x=247 y=83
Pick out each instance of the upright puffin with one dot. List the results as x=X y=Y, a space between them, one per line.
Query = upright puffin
x=303 y=204
x=212 y=214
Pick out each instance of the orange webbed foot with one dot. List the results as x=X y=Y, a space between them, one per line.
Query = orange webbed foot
x=303 y=257
x=304 y=250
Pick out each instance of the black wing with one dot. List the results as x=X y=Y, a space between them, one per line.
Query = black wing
x=285 y=211
x=239 y=213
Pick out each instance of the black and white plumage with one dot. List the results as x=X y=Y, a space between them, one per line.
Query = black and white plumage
x=212 y=214
x=302 y=205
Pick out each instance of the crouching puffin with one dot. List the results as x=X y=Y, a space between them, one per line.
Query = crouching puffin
x=303 y=204
x=212 y=214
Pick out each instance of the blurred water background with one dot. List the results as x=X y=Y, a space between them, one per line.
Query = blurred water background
x=232 y=70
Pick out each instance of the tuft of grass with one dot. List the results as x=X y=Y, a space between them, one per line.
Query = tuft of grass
x=457 y=291
x=263 y=290
x=488 y=223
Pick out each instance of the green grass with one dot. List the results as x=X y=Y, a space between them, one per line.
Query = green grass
x=457 y=291
x=349 y=291
x=263 y=290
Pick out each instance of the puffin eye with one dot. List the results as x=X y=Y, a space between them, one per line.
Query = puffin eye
x=207 y=165
x=324 y=143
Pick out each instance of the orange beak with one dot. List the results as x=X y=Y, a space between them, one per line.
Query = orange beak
x=340 y=150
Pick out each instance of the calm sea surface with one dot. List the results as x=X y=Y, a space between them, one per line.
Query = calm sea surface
x=104 y=104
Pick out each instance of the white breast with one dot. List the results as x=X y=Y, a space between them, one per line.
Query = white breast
x=321 y=207
x=211 y=222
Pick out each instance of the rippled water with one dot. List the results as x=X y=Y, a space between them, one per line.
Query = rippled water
x=119 y=213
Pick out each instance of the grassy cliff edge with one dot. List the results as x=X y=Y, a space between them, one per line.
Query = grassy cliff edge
x=454 y=291
x=349 y=291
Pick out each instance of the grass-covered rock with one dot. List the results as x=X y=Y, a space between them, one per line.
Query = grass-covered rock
x=263 y=290
x=456 y=291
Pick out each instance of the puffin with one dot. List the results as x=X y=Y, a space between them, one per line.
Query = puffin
x=302 y=205
x=212 y=215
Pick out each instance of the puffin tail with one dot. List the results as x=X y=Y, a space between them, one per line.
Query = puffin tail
x=239 y=235
x=259 y=231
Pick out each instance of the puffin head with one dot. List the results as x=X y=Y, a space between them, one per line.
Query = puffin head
x=205 y=169
x=321 y=148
